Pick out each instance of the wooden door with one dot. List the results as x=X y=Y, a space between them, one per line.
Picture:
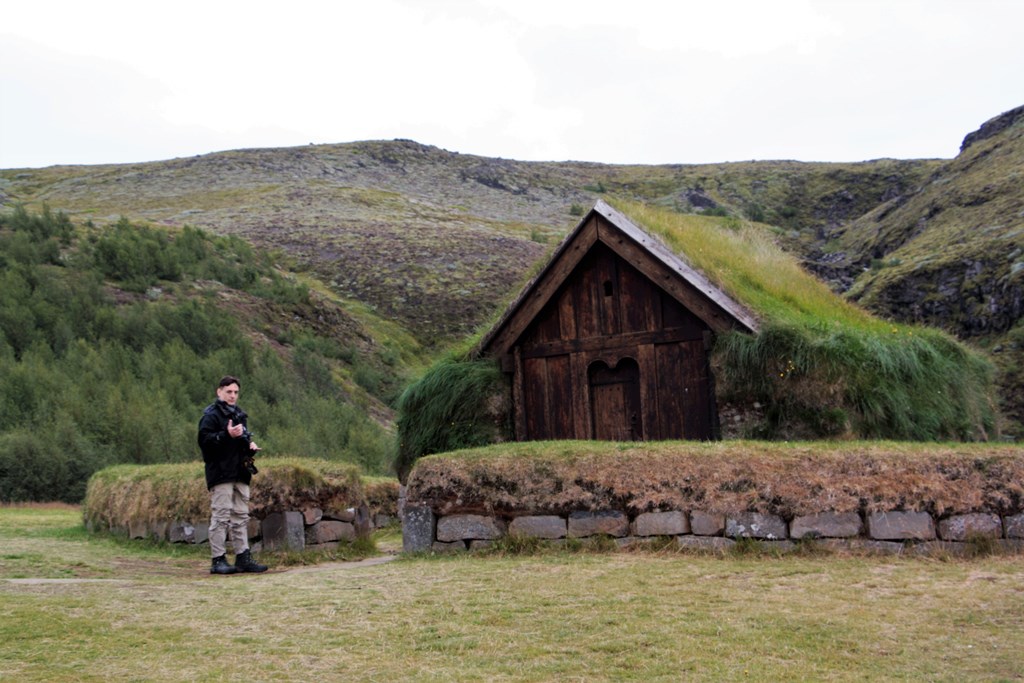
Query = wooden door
x=615 y=401
x=683 y=390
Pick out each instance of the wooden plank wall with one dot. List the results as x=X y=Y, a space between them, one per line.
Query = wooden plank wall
x=607 y=312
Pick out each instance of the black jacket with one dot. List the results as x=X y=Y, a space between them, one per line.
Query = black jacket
x=224 y=456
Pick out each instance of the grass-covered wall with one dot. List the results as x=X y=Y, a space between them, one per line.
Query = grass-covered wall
x=781 y=478
x=819 y=367
x=119 y=496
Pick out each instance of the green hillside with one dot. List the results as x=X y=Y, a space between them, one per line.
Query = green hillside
x=112 y=340
x=951 y=254
x=431 y=239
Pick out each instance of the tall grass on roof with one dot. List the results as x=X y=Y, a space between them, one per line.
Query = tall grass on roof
x=459 y=403
x=821 y=365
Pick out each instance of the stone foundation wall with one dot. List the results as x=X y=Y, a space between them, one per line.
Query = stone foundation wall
x=895 y=531
x=309 y=529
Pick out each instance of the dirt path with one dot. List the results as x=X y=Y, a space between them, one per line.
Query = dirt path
x=131 y=571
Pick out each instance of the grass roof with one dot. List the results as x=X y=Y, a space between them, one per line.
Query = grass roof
x=741 y=258
x=822 y=365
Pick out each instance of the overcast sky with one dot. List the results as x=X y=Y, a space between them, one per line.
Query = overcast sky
x=614 y=81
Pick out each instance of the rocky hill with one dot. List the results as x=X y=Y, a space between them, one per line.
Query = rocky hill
x=951 y=253
x=437 y=241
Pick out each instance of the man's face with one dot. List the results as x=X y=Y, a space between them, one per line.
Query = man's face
x=228 y=394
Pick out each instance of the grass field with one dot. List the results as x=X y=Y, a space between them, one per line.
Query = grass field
x=75 y=607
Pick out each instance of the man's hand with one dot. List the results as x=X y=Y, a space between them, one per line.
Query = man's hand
x=235 y=431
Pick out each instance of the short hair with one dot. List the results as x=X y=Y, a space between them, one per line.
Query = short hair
x=228 y=379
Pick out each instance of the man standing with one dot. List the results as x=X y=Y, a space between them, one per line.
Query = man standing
x=228 y=451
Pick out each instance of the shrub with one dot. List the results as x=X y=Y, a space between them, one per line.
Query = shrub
x=89 y=378
x=458 y=403
x=833 y=381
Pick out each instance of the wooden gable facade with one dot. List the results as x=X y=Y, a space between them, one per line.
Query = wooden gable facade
x=610 y=341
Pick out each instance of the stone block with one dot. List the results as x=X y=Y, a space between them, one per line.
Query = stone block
x=312 y=515
x=756 y=525
x=159 y=531
x=672 y=523
x=469 y=527
x=453 y=547
x=1014 y=526
x=838 y=545
x=201 y=532
x=707 y=543
x=362 y=522
x=883 y=547
x=826 y=525
x=137 y=530
x=333 y=545
x=538 y=526
x=255 y=528
x=780 y=547
x=329 y=531
x=181 y=532
x=418 y=528
x=1011 y=545
x=706 y=523
x=901 y=526
x=940 y=549
x=347 y=515
x=964 y=527
x=284 y=531
x=609 y=522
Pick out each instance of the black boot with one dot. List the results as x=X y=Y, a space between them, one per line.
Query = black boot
x=220 y=566
x=245 y=563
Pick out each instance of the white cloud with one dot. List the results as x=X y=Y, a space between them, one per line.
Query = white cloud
x=646 y=81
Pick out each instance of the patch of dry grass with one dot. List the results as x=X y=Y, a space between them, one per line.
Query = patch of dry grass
x=593 y=617
x=787 y=479
x=119 y=496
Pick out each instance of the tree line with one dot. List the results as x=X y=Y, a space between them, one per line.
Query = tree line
x=112 y=340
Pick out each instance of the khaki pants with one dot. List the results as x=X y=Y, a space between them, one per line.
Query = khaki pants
x=229 y=512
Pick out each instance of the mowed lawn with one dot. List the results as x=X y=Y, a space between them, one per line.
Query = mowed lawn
x=75 y=607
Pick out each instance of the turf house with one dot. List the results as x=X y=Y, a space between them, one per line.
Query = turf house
x=663 y=326
x=611 y=340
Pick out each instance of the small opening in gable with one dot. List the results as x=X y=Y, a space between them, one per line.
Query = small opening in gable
x=607 y=287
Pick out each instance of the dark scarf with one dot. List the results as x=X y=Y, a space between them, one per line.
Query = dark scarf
x=234 y=413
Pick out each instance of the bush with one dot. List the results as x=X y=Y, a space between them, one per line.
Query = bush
x=457 y=404
x=822 y=381
x=37 y=466
x=86 y=381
